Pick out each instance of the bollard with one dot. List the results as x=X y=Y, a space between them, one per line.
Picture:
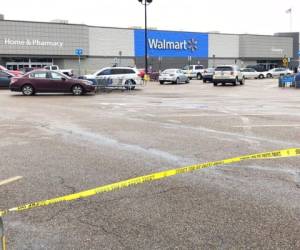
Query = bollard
x=2 y=236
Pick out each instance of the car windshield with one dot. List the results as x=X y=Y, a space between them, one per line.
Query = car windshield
x=224 y=68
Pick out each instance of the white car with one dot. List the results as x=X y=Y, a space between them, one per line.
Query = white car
x=116 y=77
x=276 y=72
x=194 y=71
x=250 y=73
x=228 y=74
x=173 y=75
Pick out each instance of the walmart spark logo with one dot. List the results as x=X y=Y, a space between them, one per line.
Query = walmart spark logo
x=192 y=45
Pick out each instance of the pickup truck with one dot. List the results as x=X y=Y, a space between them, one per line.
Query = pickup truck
x=68 y=72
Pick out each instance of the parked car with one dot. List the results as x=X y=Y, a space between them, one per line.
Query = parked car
x=276 y=72
x=194 y=71
x=142 y=73
x=228 y=74
x=208 y=75
x=5 y=77
x=49 y=81
x=68 y=72
x=263 y=67
x=250 y=73
x=173 y=75
x=124 y=77
x=14 y=72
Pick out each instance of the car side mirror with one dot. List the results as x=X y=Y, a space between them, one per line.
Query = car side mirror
x=63 y=78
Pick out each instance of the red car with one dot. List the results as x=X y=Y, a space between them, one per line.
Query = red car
x=47 y=81
x=14 y=72
x=142 y=73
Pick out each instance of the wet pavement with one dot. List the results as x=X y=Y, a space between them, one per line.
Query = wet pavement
x=61 y=144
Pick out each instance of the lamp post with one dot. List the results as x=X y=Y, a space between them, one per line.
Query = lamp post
x=146 y=3
x=159 y=65
x=120 y=58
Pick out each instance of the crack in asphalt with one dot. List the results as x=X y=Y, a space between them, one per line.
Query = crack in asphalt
x=114 y=235
x=63 y=183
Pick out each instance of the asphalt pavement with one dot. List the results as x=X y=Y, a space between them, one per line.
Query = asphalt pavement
x=53 y=144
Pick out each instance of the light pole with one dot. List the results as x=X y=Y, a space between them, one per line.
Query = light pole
x=159 y=61
x=120 y=58
x=146 y=3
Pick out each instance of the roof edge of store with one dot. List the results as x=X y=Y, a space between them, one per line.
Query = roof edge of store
x=136 y=28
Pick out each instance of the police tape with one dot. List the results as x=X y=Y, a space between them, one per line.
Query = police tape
x=292 y=152
x=2 y=236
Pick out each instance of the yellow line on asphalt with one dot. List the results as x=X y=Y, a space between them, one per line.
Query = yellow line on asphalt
x=10 y=180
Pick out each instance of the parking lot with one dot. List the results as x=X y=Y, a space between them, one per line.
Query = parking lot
x=61 y=144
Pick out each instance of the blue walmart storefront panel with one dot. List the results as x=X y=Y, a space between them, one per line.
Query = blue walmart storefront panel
x=171 y=44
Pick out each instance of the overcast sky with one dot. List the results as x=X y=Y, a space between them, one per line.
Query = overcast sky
x=227 y=16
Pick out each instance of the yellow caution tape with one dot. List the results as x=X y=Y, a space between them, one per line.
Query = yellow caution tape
x=2 y=236
x=292 y=152
x=3 y=243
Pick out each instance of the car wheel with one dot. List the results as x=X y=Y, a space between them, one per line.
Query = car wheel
x=27 y=90
x=187 y=80
x=261 y=76
x=177 y=81
x=199 y=77
x=215 y=84
x=269 y=75
x=130 y=85
x=242 y=82
x=161 y=82
x=77 y=90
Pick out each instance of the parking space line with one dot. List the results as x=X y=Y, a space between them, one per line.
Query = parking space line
x=10 y=180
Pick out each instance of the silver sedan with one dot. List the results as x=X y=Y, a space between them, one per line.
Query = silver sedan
x=174 y=76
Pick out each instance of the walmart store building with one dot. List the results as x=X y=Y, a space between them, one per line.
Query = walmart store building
x=36 y=44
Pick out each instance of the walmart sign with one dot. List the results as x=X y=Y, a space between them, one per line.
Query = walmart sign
x=171 y=44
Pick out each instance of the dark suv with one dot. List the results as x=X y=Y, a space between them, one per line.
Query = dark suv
x=49 y=81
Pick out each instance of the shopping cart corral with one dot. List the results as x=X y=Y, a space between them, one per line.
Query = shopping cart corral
x=292 y=81
x=123 y=83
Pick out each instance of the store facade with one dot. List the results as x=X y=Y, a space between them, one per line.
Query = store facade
x=37 y=44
